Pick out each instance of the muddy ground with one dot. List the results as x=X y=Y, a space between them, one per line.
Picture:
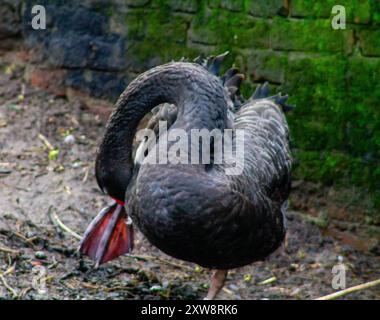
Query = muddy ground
x=39 y=185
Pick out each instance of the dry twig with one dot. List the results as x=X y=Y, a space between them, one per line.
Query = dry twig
x=85 y=177
x=8 y=287
x=59 y=224
x=268 y=281
x=9 y=250
x=344 y=292
x=9 y=270
x=28 y=241
x=45 y=141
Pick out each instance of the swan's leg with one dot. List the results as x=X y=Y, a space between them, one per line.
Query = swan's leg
x=217 y=281
x=286 y=243
x=282 y=250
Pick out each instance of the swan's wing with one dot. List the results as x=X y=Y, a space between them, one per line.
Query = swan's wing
x=267 y=157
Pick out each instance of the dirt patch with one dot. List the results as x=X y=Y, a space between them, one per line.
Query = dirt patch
x=47 y=148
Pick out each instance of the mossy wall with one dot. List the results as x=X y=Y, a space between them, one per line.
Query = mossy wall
x=333 y=76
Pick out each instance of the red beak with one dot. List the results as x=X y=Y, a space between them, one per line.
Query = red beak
x=108 y=236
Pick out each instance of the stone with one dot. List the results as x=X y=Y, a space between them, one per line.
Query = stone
x=79 y=51
x=309 y=35
x=189 y=6
x=50 y=80
x=64 y=18
x=9 y=22
x=66 y=40
x=268 y=8
x=252 y=33
x=135 y=25
x=99 y=84
x=107 y=53
x=357 y=11
x=230 y=30
x=208 y=28
x=77 y=19
x=232 y=5
x=40 y=255
x=137 y=3
x=302 y=9
x=69 y=139
x=69 y=50
x=167 y=30
x=266 y=65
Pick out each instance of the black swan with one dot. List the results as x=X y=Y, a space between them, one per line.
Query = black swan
x=194 y=212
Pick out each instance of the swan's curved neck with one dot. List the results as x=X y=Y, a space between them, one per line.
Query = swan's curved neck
x=198 y=95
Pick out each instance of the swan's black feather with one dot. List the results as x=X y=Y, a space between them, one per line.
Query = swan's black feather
x=262 y=92
x=204 y=216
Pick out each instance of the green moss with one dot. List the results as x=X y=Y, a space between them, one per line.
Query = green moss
x=137 y=3
x=135 y=24
x=309 y=35
x=357 y=11
x=364 y=94
x=251 y=34
x=370 y=42
x=233 y=5
x=317 y=86
x=267 y=8
x=185 y=5
x=174 y=29
x=361 y=11
x=221 y=27
x=157 y=33
x=266 y=65
x=337 y=130
x=375 y=8
x=299 y=8
x=329 y=168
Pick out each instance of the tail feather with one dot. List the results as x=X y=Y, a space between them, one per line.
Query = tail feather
x=235 y=81
x=211 y=63
x=232 y=81
x=262 y=92
x=229 y=74
x=214 y=63
x=281 y=101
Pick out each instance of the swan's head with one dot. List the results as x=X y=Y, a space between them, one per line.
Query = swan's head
x=113 y=175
